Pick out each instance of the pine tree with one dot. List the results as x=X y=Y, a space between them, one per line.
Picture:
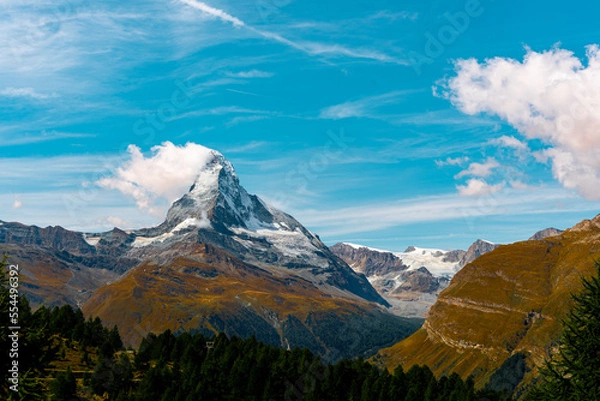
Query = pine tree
x=64 y=386
x=573 y=373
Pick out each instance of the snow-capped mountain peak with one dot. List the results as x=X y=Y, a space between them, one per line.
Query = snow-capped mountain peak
x=216 y=194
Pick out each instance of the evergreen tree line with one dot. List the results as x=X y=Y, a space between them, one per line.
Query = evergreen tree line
x=190 y=367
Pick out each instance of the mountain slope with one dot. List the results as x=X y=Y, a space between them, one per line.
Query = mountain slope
x=506 y=302
x=211 y=291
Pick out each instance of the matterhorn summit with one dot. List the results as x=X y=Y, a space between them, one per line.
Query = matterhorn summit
x=218 y=211
x=216 y=195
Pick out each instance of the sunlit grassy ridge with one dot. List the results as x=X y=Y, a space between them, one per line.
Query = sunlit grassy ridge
x=508 y=301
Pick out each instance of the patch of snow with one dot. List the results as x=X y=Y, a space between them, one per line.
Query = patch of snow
x=93 y=241
x=356 y=246
x=192 y=222
x=145 y=241
x=293 y=244
x=431 y=259
x=189 y=222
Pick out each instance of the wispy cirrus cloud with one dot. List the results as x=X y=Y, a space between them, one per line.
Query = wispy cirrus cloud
x=309 y=47
x=27 y=93
x=44 y=136
x=337 y=50
x=214 y=12
x=379 y=216
x=251 y=74
x=394 y=15
x=365 y=107
x=226 y=110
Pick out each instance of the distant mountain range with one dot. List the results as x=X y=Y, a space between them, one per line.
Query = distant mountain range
x=412 y=280
x=223 y=260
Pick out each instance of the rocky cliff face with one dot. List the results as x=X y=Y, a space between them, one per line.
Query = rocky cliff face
x=545 y=233
x=477 y=248
x=508 y=301
x=411 y=280
x=368 y=261
x=419 y=281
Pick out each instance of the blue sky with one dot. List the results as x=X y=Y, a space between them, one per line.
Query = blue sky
x=356 y=117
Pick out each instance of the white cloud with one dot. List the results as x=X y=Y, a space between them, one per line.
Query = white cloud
x=457 y=161
x=251 y=74
x=17 y=204
x=511 y=142
x=477 y=187
x=516 y=184
x=163 y=176
x=551 y=96
x=344 y=110
x=572 y=173
x=117 y=222
x=479 y=169
x=29 y=93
